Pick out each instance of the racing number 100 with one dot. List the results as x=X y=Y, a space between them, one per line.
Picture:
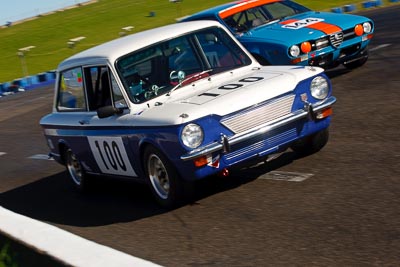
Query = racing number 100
x=110 y=155
x=113 y=155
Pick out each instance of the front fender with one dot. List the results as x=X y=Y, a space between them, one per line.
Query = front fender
x=273 y=53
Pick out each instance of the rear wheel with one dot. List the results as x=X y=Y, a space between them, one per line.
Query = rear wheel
x=164 y=181
x=75 y=170
x=311 y=144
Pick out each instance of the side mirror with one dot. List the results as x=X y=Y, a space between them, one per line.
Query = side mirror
x=108 y=111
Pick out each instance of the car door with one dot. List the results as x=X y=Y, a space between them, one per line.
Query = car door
x=99 y=144
x=108 y=139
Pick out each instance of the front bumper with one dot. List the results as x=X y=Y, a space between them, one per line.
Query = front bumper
x=345 y=55
x=225 y=143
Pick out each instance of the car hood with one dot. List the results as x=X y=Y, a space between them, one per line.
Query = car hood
x=223 y=94
x=302 y=27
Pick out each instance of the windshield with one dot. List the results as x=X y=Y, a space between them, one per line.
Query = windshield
x=247 y=19
x=160 y=68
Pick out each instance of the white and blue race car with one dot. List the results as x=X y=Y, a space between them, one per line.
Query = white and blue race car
x=282 y=32
x=179 y=103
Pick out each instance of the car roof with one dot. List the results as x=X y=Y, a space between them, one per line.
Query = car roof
x=225 y=10
x=211 y=11
x=244 y=5
x=110 y=51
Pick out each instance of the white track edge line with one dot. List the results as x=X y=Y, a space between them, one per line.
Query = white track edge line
x=62 y=245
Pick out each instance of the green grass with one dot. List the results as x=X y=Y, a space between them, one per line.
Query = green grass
x=98 y=22
x=5 y=258
x=14 y=254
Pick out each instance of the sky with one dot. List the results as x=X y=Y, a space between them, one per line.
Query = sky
x=14 y=10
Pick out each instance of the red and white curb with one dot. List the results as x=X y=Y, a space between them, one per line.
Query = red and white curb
x=63 y=246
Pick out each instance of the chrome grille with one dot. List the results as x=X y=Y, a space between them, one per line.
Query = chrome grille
x=321 y=43
x=336 y=39
x=260 y=115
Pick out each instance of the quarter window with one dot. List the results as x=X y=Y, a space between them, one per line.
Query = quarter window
x=71 y=96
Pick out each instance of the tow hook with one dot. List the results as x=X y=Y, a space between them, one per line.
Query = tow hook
x=224 y=173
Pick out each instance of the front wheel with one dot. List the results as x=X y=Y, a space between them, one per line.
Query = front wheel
x=165 y=183
x=311 y=144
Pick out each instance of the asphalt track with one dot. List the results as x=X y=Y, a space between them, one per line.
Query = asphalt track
x=338 y=207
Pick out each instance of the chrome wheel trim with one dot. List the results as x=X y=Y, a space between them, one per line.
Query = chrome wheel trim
x=158 y=176
x=74 y=168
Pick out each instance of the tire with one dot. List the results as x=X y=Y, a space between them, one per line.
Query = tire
x=162 y=178
x=357 y=63
x=311 y=144
x=75 y=170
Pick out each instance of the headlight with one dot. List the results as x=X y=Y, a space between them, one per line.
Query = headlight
x=294 y=51
x=319 y=87
x=192 y=135
x=367 y=27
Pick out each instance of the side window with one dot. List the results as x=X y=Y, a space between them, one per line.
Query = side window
x=246 y=20
x=97 y=87
x=237 y=22
x=102 y=89
x=241 y=19
x=71 y=96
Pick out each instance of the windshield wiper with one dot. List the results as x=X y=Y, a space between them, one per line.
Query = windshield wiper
x=194 y=77
x=275 y=20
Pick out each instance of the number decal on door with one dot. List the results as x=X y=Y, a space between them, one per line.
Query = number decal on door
x=110 y=155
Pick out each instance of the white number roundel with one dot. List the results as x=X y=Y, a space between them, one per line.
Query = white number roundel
x=110 y=155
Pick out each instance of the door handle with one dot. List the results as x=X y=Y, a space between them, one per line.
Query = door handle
x=83 y=122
